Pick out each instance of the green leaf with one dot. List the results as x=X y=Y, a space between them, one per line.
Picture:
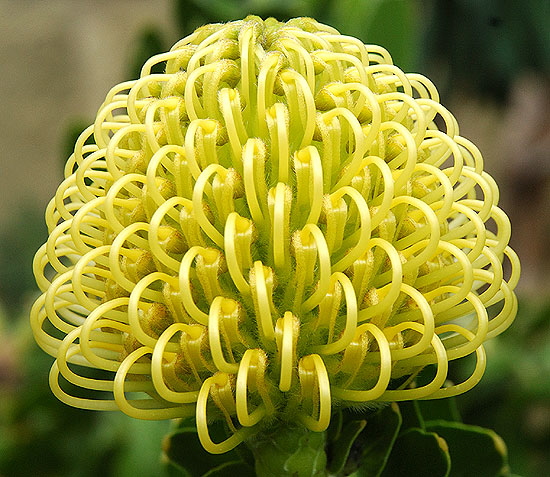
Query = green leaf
x=236 y=468
x=171 y=469
x=338 y=450
x=289 y=451
x=474 y=450
x=439 y=409
x=419 y=453
x=411 y=415
x=183 y=449
x=373 y=446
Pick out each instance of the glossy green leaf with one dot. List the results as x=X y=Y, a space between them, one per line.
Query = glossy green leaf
x=439 y=409
x=171 y=469
x=231 y=468
x=420 y=454
x=339 y=449
x=411 y=416
x=183 y=449
x=373 y=446
x=289 y=451
x=473 y=450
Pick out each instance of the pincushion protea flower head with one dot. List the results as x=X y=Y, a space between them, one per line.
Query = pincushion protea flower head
x=273 y=227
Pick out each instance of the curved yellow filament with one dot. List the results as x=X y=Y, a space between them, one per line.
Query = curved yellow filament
x=312 y=368
x=234 y=227
x=147 y=408
x=286 y=335
x=351 y=317
x=384 y=366
x=202 y=420
x=250 y=363
x=221 y=309
x=261 y=292
x=253 y=165
x=198 y=205
x=323 y=255
x=185 y=285
x=157 y=361
x=82 y=403
x=279 y=208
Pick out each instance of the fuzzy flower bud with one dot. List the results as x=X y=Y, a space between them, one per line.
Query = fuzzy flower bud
x=281 y=223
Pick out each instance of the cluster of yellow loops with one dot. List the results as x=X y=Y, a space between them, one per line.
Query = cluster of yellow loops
x=273 y=224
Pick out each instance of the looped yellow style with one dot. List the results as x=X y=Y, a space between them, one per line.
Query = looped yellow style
x=273 y=225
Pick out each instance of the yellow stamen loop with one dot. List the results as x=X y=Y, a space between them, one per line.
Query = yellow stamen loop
x=354 y=355
x=230 y=105
x=383 y=359
x=261 y=285
x=165 y=240
x=315 y=385
x=223 y=322
x=392 y=289
x=481 y=363
x=152 y=125
x=279 y=202
x=254 y=154
x=142 y=408
x=198 y=203
x=364 y=228
x=427 y=330
x=136 y=304
x=238 y=237
x=282 y=218
x=69 y=351
x=193 y=106
x=309 y=232
x=286 y=335
x=309 y=178
x=301 y=103
x=266 y=81
x=82 y=403
x=226 y=188
x=247 y=43
x=185 y=285
x=158 y=362
x=209 y=266
x=359 y=141
x=278 y=122
x=140 y=88
x=123 y=187
x=252 y=366
x=191 y=147
x=96 y=346
x=218 y=380
x=441 y=373
x=303 y=56
x=85 y=287
x=351 y=317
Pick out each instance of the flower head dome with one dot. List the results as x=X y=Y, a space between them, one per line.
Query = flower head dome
x=281 y=223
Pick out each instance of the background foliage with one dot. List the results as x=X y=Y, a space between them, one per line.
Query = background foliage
x=479 y=48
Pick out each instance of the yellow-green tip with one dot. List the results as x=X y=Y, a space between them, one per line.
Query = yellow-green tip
x=274 y=225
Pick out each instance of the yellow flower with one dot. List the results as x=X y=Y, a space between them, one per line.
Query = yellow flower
x=281 y=223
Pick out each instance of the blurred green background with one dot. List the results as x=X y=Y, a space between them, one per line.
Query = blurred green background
x=491 y=62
